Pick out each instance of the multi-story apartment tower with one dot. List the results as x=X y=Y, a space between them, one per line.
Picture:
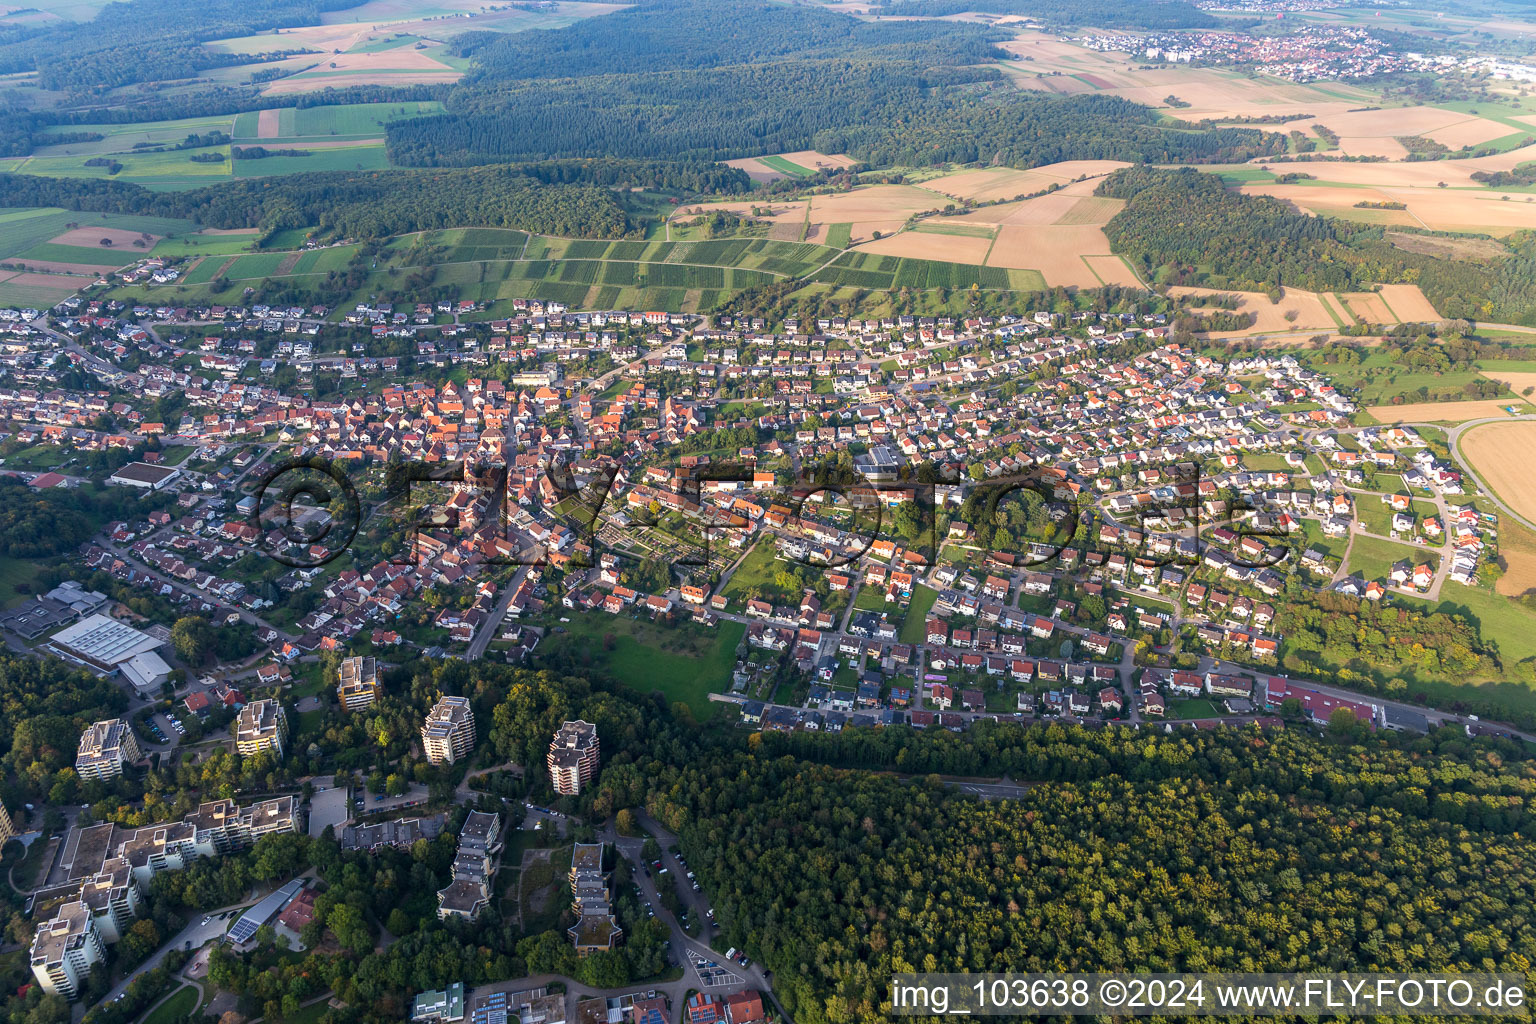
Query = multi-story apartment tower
x=262 y=725
x=359 y=684
x=449 y=732
x=573 y=756
x=66 y=949
x=105 y=748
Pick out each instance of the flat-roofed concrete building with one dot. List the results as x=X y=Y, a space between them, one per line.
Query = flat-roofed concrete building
x=7 y=827
x=262 y=725
x=144 y=476
x=359 y=685
x=449 y=732
x=573 y=757
x=114 y=899
x=60 y=606
x=66 y=949
x=105 y=748
x=473 y=866
x=103 y=643
x=596 y=927
x=112 y=883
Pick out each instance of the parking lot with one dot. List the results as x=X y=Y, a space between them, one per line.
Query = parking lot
x=716 y=976
x=328 y=807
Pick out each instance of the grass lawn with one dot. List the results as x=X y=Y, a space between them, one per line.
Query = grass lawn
x=912 y=630
x=1373 y=557
x=39 y=456
x=871 y=599
x=1511 y=626
x=685 y=664
x=25 y=873
x=1373 y=515
x=181 y=1003
x=783 y=166
x=1312 y=530
x=309 y=722
x=308 y=1014
x=1264 y=462
x=12 y=572
x=757 y=570
x=1195 y=707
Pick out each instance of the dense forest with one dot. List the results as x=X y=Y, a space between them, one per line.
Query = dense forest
x=716 y=80
x=1185 y=227
x=679 y=35
x=1032 y=129
x=713 y=113
x=1145 y=14
x=350 y=204
x=882 y=113
x=1233 y=850
x=1221 y=849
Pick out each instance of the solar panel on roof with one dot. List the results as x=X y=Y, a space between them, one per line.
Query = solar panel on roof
x=243 y=930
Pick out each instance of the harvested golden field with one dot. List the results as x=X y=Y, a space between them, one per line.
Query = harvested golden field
x=1368 y=306
x=1056 y=251
x=1311 y=314
x=1040 y=210
x=1092 y=210
x=991 y=183
x=1478 y=210
x=1048 y=63
x=325 y=38
x=57 y=282
x=1448 y=248
x=1071 y=204
x=402 y=65
x=1515 y=381
x=1390 y=122
x=267 y=124
x=1113 y=270
x=1472 y=132
x=77 y=269
x=760 y=168
x=1447 y=412
x=1414 y=174
x=338 y=80
x=90 y=238
x=814 y=161
x=1517 y=552
x=926 y=245
x=883 y=208
x=1504 y=455
x=1408 y=303
x=1360 y=145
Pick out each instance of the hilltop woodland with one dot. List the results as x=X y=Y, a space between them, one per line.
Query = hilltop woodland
x=721 y=80
x=352 y=204
x=1185 y=227
x=1205 y=850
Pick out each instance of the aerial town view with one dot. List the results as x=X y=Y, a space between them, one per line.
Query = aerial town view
x=810 y=511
